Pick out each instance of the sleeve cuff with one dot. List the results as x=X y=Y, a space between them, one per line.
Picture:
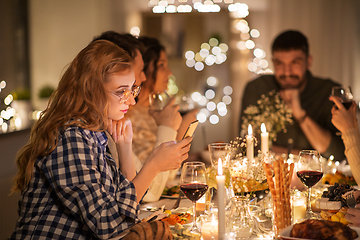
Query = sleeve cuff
x=165 y=134
x=351 y=137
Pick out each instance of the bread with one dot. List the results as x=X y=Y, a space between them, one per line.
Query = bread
x=155 y=230
x=322 y=229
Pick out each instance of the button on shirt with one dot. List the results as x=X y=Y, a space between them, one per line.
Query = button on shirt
x=76 y=192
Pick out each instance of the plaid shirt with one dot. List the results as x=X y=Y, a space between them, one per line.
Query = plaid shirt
x=76 y=192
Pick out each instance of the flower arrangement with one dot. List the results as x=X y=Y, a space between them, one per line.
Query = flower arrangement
x=247 y=177
x=270 y=110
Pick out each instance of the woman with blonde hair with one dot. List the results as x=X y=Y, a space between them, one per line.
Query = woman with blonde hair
x=70 y=185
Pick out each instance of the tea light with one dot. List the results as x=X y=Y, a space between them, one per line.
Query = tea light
x=298 y=207
x=250 y=144
x=264 y=139
x=220 y=179
x=209 y=229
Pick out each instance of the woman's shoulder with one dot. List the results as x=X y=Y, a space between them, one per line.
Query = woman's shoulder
x=77 y=133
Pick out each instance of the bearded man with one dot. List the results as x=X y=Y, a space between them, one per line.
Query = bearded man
x=307 y=96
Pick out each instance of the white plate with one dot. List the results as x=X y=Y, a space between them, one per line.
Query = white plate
x=171 y=197
x=285 y=234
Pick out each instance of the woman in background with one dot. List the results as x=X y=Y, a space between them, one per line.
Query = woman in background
x=147 y=123
x=70 y=185
x=345 y=120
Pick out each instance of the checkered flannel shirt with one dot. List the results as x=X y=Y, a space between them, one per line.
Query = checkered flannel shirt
x=77 y=192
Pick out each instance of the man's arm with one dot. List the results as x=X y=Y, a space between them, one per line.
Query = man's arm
x=318 y=137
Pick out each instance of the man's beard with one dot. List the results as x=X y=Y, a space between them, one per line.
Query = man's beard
x=291 y=86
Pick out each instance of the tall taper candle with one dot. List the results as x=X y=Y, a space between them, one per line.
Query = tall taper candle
x=220 y=179
x=264 y=139
x=250 y=144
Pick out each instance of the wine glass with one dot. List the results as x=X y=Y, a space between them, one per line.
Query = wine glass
x=193 y=183
x=185 y=102
x=309 y=171
x=345 y=95
x=158 y=100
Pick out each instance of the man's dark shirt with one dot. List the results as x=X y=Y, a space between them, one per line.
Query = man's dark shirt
x=314 y=100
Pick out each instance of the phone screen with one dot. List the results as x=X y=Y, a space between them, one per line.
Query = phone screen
x=191 y=129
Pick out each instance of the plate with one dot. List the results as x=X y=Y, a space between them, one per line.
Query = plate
x=285 y=234
x=171 y=197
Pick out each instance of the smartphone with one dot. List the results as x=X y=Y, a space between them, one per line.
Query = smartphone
x=191 y=129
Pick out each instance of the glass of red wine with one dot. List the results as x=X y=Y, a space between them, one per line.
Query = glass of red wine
x=345 y=95
x=193 y=183
x=309 y=171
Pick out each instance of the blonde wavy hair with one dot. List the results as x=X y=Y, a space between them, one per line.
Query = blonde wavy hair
x=79 y=100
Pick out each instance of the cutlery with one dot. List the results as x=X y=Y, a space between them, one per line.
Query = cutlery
x=177 y=203
x=350 y=200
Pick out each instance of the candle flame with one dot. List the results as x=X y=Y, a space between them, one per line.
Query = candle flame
x=263 y=128
x=220 y=170
x=250 y=132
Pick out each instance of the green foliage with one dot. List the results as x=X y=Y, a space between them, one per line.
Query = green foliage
x=46 y=91
x=23 y=94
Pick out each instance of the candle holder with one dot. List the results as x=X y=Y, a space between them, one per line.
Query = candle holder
x=240 y=224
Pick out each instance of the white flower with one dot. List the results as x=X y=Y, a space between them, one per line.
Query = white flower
x=270 y=110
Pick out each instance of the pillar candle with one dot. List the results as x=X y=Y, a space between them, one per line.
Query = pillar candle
x=264 y=139
x=249 y=145
x=220 y=179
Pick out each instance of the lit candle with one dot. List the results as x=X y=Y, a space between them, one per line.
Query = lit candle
x=264 y=139
x=220 y=179
x=249 y=145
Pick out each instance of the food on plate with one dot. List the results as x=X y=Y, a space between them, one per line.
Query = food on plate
x=322 y=229
x=172 y=191
x=174 y=218
x=149 y=230
x=335 y=216
x=180 y=233
x=338 y=177
x=332 y=199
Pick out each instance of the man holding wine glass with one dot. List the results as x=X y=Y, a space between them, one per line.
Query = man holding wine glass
x=305 y=94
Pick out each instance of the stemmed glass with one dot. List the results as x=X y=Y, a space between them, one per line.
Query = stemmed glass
x=158 y=100
x=345 y=95
x=309 y=171
x=193 y=183
x=186 y=103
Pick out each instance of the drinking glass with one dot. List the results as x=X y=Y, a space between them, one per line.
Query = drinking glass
x=158 y=100
x=193 y=183
x=185 y=102
x=345 y=95
x=309 y=171
x=219 y=150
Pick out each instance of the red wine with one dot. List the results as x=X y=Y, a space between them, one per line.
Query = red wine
x=347 y=105
x=309 y=178
x=194 y=191
x=183 y=112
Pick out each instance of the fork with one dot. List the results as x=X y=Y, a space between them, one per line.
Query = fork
x=350 y=200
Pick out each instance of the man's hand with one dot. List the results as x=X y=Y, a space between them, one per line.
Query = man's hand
x=292 y=99
x=121 y=130
x=168 y=116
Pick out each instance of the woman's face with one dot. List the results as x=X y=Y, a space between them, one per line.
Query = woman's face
x=163 y=73
x=116 y=86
